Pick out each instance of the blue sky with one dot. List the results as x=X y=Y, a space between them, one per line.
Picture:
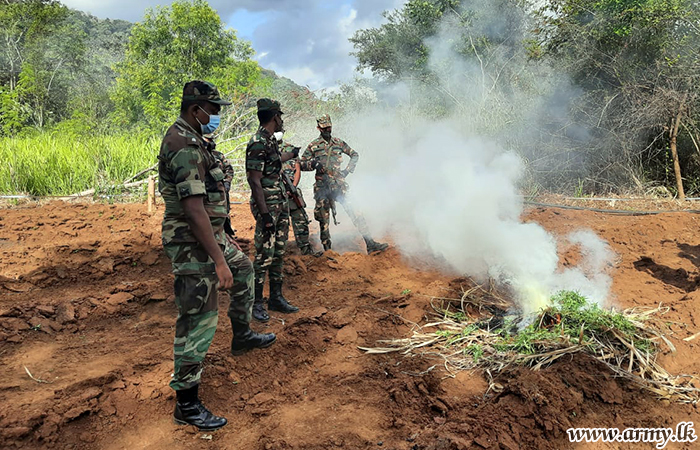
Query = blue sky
x=305 y=40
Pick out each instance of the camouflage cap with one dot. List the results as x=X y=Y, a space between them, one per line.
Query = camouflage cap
x=324 y=121
x=202 y=90
x=267 y=104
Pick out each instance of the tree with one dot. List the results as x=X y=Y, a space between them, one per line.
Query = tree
x=42 y=53
x=638 y=64
x=173 y=45
x=397 y=48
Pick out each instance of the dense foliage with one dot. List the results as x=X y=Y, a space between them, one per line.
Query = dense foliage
x=596 y=95
x=83 y=100
x=610 y=86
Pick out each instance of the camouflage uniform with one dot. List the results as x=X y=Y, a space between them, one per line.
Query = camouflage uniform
x=330 y=183
x=188 y=168
x=263 y=155
x=227 y=168
x=298 y=216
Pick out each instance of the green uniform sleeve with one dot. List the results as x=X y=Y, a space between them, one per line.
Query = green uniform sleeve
x=306 y=157
x=354 y=157
x=228 y=171
x=187 y=169
x=255 y=156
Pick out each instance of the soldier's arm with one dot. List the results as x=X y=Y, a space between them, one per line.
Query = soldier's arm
x=228 y=172
x=187 y=168
x=254 y=165
x=354 y=157
x=286 y=156
x=306 y=158
x=256 y=190
x=200 y=225
x=297 y=173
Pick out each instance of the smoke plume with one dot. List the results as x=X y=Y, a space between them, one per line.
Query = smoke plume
x=449 y=189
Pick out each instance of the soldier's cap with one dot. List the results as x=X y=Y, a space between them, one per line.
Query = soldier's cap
x=324 y=121
x=267 y=104
x=202 y=90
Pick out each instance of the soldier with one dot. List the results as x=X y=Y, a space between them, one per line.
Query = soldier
x=268 y=204
x=297 y=213
x=325 y=155
x=227 y=169
x=191 y=183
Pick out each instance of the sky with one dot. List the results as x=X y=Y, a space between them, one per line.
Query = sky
x=305 y=40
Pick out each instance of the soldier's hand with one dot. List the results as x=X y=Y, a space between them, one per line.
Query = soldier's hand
x=232 y=241
x=316 y=165
x=223 y=273
x=295 y=151
x=268 y=225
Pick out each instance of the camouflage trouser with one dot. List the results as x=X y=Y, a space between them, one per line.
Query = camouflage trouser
x=322 y=212
x=300 y=223
x=197 y=303
x=269 y=253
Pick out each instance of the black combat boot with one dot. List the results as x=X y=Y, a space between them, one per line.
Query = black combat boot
x=259 y=312
x=245 y=339
x=373 y=246
x=327 y=245
x=277 y=302
x=189 y=410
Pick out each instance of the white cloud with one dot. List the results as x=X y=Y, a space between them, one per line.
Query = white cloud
x=299 y=38
x=302 y=75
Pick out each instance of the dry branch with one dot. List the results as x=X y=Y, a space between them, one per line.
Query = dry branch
x=468 y=343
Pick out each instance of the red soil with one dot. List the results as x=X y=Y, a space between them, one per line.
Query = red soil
x=86 y=306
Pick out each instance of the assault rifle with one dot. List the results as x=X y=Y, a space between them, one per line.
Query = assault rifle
x=294 y=194
x=331 y=186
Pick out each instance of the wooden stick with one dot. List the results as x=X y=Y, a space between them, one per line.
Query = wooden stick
x=690 y=338
x=151 y=193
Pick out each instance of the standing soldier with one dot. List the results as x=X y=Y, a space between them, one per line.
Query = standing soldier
x=268 y=204
x=227 y=169
x=191 y=183
x=297 y=212
x=325 y=155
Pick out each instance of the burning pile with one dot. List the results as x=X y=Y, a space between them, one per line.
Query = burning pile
x=627 y=341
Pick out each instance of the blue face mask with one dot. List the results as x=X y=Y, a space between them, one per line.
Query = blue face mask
x=214 y=122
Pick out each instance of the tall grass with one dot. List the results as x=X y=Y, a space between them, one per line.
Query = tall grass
x=59 y=164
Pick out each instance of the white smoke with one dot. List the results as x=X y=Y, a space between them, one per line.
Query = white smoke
x=436 y=192
x=449 y=190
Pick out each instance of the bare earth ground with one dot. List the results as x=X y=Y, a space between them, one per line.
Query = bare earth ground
x=86 y=306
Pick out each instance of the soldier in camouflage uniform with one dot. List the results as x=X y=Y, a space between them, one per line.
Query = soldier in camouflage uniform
x=191 y=184
x=325 y=155
x=227 y=169
x=268 y=203
x=297 y=215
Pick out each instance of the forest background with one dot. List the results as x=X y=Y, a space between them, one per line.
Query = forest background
x=604 y=93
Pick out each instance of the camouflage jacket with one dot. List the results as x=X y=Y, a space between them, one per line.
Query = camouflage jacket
x=186 y=167
x=226 y=167
x=288 y=167
x=330 y=155
x=263 y=154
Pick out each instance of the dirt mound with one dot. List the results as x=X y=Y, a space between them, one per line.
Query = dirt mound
x=86 y=309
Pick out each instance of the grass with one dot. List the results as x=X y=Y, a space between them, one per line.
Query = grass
x=56 y=164
x=571 y=319
x=53 y=163
x=626 y=341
